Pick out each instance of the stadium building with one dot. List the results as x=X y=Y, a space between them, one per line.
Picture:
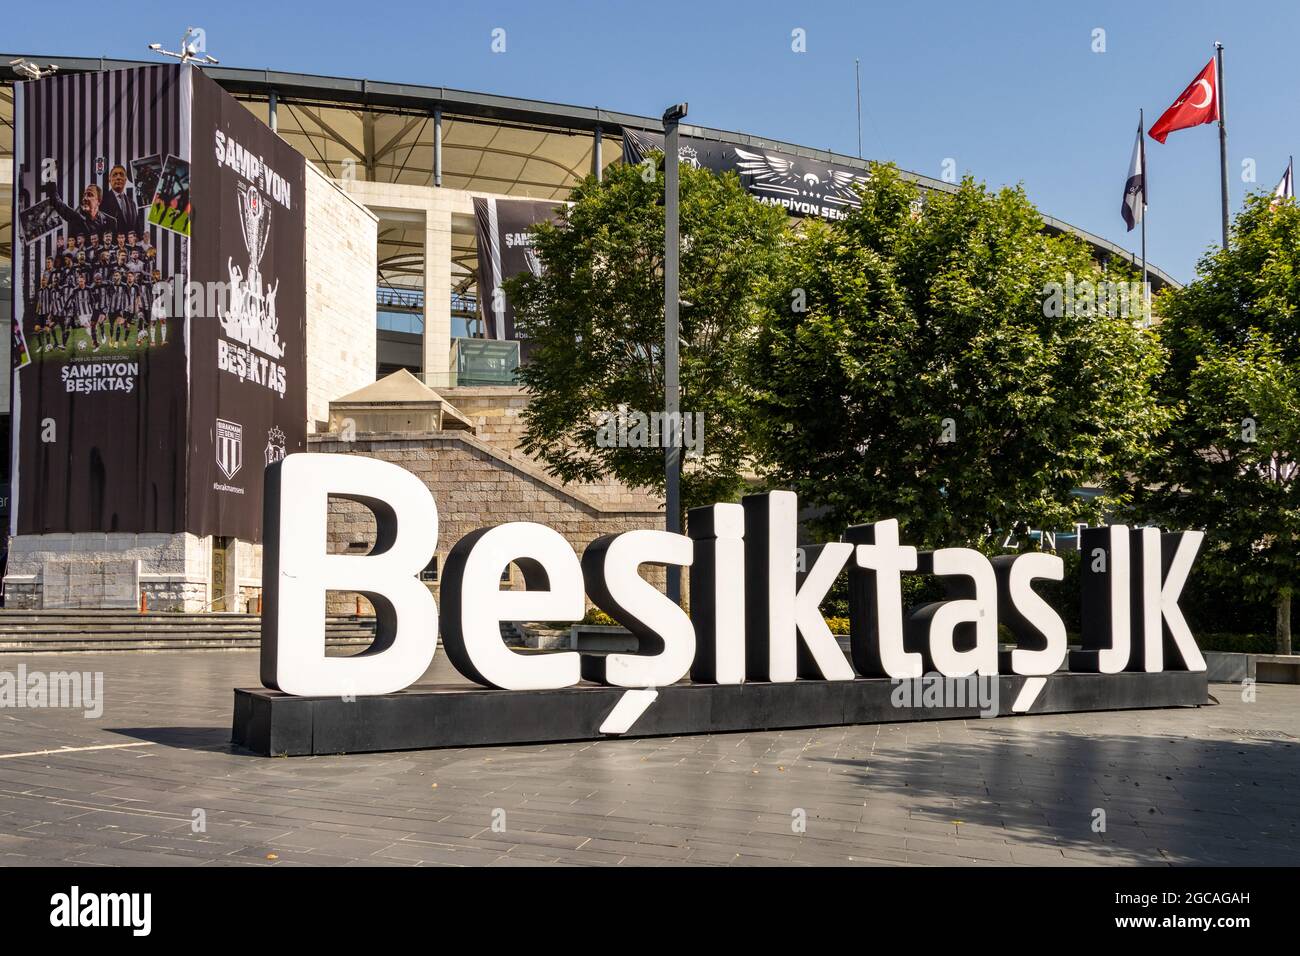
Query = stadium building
x=414 y=204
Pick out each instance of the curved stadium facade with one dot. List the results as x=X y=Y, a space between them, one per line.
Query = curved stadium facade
x=406 y=188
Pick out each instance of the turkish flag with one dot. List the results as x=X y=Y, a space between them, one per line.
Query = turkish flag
x=1197 y=104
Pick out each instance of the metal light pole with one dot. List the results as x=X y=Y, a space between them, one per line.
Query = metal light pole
x=672 y=387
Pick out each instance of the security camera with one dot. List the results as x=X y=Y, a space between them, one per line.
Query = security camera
x=155 y=46
x=32 y=71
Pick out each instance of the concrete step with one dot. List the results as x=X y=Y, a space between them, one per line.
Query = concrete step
x=46 y=619
x=9 y=640
x=71 y=630
x=214 y=629
x=81 y=646
x=77 y=624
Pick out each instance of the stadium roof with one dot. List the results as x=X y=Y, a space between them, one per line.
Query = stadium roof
x=499 y=144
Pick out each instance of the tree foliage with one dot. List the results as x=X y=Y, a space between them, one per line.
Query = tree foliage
x=1229 y=462
x=897 y=329
x=596 y=321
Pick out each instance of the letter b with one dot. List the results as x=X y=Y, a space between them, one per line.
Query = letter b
x=297 y=572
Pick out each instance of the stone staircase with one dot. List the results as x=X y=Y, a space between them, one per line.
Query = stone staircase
x=126 y=630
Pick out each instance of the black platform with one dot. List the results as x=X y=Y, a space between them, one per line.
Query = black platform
x=423 y=717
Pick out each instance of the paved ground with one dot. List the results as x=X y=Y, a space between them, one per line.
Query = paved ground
x=1176 y=786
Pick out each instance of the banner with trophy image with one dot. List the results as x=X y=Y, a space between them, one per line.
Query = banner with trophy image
x=160 y=361
x=99 y=411
x=248 y=370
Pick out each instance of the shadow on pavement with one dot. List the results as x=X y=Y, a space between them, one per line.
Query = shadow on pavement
x=1198 y=801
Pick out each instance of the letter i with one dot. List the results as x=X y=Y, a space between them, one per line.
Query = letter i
x=717 y=580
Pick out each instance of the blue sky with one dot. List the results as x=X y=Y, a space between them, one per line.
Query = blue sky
x=1013 y=91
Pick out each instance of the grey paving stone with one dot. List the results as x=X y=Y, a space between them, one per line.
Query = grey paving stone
x=1178 y=787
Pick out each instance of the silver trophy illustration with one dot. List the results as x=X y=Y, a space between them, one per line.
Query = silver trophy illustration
x=255 y=220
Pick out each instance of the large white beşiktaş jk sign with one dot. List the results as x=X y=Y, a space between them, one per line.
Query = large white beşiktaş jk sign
x=756 y=616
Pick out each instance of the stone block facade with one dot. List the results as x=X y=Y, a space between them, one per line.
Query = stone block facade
x=340 y=265
x=69 y=583
x=108 y=570
x=497 y=415
x=496 y=412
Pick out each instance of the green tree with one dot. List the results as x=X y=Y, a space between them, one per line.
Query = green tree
x=596 y=320
x=1229 y=460
x=952 y=365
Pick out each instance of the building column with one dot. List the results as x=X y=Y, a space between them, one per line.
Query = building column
x=437 y=294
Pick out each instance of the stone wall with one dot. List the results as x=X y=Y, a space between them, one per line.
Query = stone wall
x=108 y=570
x=248 y=576
x=341 y=269
x=497 y=414
x=475 y=486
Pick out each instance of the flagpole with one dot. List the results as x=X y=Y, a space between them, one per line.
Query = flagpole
x=1223 y=141
x=1146 y=295
x=857 y=79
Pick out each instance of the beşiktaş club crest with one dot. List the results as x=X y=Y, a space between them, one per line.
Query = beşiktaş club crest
x=229 y=443
x=250 y=319
x=275 y=449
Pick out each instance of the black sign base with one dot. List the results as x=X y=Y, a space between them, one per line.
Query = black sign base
x=270 y=723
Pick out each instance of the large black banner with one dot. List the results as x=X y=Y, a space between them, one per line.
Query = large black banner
x=99 y=397
x=805 y=187
x=248 y=368
x=505 y=250
x=160 y=299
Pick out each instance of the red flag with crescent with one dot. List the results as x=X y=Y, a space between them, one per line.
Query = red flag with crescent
x=1197 y=104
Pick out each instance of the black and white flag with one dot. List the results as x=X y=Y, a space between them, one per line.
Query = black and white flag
x=1286 y=188
x=1135 y=188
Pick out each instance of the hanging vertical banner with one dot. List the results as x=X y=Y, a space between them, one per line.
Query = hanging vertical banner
x=804 y=187
x=161 y=299
x=505 y=250
x=248 y=367
x=99 y=428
